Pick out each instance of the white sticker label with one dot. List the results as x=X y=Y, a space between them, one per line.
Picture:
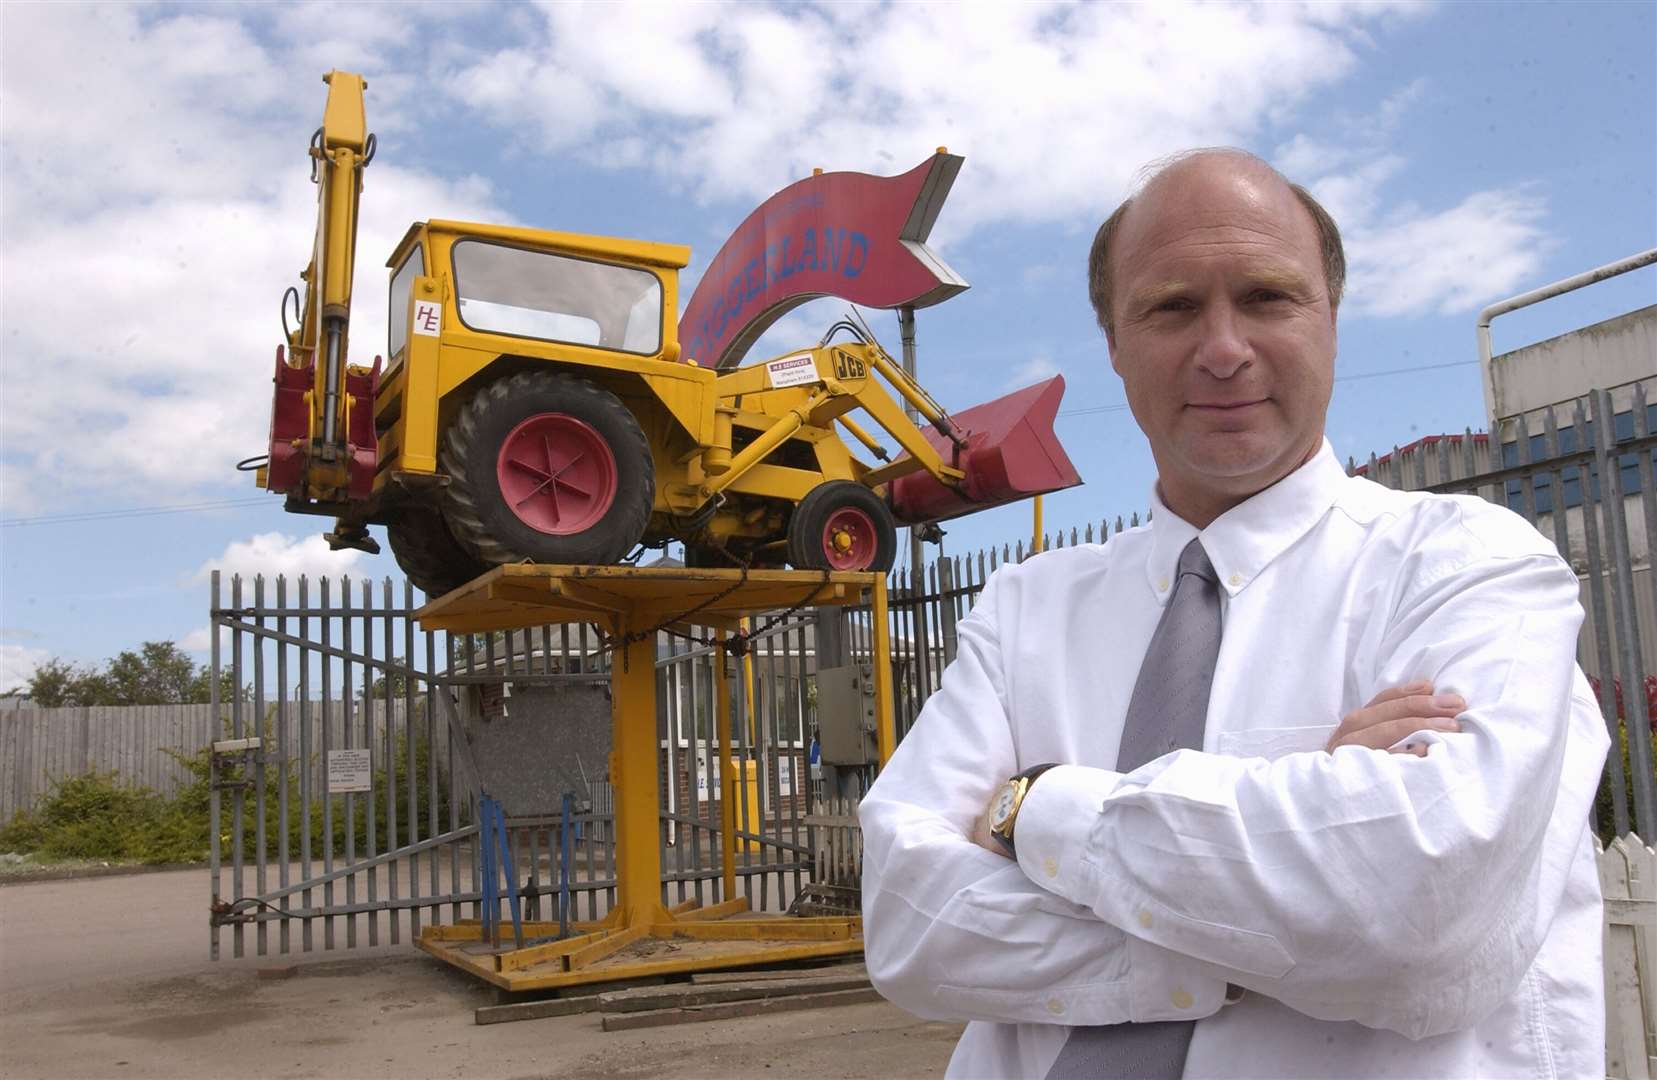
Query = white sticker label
x=350 y=770
x=785 y=775
x=797 y=370
x=428 y=317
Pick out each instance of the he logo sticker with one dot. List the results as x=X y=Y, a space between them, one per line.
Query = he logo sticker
x=428 y=317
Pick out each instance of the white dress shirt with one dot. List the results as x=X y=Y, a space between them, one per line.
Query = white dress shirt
x=1373 y=914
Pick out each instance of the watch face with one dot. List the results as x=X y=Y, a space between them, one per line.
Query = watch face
x=1002 y=808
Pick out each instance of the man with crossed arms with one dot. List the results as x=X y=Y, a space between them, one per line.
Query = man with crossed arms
x=1293 y=781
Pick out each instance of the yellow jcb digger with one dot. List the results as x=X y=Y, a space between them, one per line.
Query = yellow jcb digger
x=534 y=406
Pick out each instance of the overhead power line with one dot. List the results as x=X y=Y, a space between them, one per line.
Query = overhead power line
x=1088 y=410
x=131 y=512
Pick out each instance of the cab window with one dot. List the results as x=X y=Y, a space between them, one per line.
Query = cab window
x=536 y=294
x=397 y=313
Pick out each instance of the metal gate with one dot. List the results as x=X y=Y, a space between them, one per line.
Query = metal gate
x=344 y=797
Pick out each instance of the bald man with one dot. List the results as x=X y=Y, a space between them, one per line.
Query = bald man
x=1294 y=780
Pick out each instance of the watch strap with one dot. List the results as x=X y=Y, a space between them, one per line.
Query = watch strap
x=1029 y=777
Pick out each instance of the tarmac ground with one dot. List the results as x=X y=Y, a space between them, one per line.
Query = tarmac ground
x=110 y=977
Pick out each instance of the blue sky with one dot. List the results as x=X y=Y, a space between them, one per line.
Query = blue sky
x=156 y=203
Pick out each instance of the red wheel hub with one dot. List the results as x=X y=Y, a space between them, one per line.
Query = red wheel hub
x=849 y=539
x=557 y=474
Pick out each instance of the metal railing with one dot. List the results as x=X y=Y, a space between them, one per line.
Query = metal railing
x=1585 y=481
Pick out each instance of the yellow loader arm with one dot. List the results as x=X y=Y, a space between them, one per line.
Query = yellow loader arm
x=991 y=454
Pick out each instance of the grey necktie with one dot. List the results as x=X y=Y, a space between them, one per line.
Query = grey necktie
x=1167 y=712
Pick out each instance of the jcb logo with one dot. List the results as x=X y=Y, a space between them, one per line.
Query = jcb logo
x=847 y=366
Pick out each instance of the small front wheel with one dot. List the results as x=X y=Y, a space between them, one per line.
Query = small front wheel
x=842 y=525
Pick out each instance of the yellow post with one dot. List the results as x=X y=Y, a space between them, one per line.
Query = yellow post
x=633 y=767
x=727 y=808
x=1035 y=535
x=747 y=770
x=885 y=732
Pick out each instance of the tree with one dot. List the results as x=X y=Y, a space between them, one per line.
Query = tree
x=54 y=684
x=158 y=673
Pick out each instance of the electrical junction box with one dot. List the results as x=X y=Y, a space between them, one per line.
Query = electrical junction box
x=846 y=715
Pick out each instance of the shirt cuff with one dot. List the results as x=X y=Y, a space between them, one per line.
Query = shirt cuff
x=1054 y=829
x=1055 y=825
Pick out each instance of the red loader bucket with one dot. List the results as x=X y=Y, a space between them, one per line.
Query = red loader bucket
x=1011 y=454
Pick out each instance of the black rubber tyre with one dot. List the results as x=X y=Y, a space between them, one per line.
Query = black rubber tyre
x=480 y=515
x=848 y=500
x=428 y=553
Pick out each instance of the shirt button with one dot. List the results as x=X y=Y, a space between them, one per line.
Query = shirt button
x=1236 y=579
x=1055 y=1006
x=1161 y=584
x=1050 y=866
x=1181 y=999
x=1145 y=919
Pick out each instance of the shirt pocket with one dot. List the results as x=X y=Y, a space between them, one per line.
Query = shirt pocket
x=1273 y=742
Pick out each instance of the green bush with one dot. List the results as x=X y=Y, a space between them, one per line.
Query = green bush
x=94 y=817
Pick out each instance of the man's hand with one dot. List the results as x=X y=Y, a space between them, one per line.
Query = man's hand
x=981 y=829
x=1397 y=713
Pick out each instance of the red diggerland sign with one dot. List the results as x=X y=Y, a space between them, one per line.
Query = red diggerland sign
x=851 y=235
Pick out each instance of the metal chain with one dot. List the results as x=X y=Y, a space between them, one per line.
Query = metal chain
x=735 y=645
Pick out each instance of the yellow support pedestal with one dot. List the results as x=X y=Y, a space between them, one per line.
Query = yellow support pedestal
x=641 y=936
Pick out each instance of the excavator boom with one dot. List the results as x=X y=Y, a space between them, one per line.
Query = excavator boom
x=322 y=443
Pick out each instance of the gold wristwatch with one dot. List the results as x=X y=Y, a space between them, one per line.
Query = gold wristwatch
x=1004 y=807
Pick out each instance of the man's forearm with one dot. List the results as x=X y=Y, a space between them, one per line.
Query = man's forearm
x=953 y=932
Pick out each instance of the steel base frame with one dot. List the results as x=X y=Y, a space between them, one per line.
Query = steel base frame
x=692 y=939
x=641 y=936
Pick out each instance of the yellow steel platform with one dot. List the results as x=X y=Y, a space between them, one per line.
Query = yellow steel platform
x=641 y=936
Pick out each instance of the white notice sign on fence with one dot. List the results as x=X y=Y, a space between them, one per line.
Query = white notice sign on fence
x=349 y=770
x=785 y=775
x=706 y=775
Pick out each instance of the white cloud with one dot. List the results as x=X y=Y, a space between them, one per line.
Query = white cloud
x=801 y=327
x=1451 y=261
x=141 y=298
x=17 y=664
x=1054 y=105
x=275 y=554
x=1033 y=370
x=1409 y=259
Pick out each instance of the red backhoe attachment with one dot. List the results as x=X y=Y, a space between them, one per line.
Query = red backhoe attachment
x=290 y=429
x=1011 y=453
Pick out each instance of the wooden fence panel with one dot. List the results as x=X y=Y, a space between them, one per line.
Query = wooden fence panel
x=139 y=742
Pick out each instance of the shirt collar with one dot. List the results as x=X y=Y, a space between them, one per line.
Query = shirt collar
x=1244 y=540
